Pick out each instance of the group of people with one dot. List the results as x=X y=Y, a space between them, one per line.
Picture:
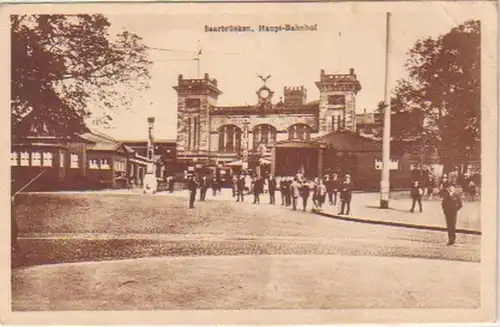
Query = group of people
x=202 y=183
x=329 y=188
x=432 y=185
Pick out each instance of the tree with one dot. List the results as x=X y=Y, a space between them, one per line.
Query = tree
x=443 y=89
x=68 y=68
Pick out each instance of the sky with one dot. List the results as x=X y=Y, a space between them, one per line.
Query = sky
x=342 y=41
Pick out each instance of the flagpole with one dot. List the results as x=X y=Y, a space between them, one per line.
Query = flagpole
x=198 y=59
x=386 y=141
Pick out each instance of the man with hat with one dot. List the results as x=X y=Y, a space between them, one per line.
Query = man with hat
x=346 y=195
x=451 y=204
x=192 y=185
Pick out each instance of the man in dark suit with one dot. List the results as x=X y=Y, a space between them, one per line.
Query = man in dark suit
x=335 y=185
x=192 y=185
x=258 y=188
x=451 y=204
x=288 y=199
x=203 y=188
x=272 y=189
x=346 y=195
x=240 y=184
x=329 y=188
x=283 y=181
x=416 y=193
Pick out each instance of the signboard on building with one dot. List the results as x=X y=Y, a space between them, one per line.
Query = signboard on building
x=393 y=164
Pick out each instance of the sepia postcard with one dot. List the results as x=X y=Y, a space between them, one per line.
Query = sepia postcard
x=250 y=163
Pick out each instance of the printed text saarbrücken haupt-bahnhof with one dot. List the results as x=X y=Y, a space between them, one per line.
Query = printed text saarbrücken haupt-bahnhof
x=262 y=28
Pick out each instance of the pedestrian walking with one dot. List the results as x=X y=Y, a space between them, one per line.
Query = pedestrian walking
x=258 y=187
x=319 y=195
x=171 y=184
x=214 y=186
x=304 y=193
x=271 y=182
x=336 y=186
x=329 y=188
x=240 y=189
x=203 y=188
x=346 y=195
x=471 y=190
x=192 y=185
x=451 y=204
x=283 y=190
x=219 y=186
x=295 y=192
x=288 y=200
x=235 y=185
x=416 y=193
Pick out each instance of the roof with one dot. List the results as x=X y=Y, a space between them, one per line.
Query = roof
x=349 y=142
x=299 y=144
x=102 y=142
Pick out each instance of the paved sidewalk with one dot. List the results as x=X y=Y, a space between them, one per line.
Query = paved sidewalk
x=364 y=208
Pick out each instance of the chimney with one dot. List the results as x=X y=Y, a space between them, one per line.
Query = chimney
x=206 y=76
x=351 y=71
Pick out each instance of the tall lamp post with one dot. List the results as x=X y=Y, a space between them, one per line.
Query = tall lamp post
x=150 y=182
x=246 y=122
x=151 y=146
x=386 y=141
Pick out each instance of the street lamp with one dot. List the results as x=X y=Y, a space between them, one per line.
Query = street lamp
x=150 y=182
x=151 y=146
x=246 y=122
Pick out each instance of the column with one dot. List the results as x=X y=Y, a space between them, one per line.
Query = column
x=320 y=162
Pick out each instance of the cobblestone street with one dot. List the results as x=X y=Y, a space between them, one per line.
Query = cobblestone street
x=263 y=251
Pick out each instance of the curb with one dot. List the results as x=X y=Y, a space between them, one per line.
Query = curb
x=395 y=224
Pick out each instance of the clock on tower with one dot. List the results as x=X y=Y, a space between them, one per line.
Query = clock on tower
x=264 y=93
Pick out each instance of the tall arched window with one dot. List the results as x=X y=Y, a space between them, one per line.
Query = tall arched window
x=299 y=132
x=263 y=134
x=229 y=138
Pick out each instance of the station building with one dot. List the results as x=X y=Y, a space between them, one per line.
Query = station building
x=281 y=136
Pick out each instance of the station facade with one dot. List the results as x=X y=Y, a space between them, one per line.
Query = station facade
x=207 y=132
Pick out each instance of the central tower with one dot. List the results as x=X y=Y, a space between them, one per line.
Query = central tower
x=195 y=97
x=337 y=102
